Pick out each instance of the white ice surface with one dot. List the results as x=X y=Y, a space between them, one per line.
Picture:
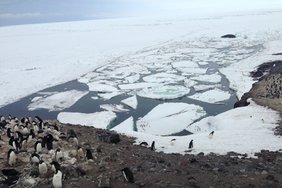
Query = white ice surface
x=163 y=78
x=211 y=96
x=98 y=119
x=125 y=126
x=164 y=92
x=114 y=107
x=213 y=78
x=108 y=96
x=131 y=102
x=169 y=118
x=57 y=101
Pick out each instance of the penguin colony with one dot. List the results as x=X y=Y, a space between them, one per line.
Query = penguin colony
x=43 y=148
x=273 y=89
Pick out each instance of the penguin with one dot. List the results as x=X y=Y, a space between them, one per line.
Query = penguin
x=89 y=155
x=211 y=135
x=55 y=166
x=42 y=168
x=128 y=175
x=35 y=158
x=143 y=144
x=57 y=179
x=153 y=146
x=191 y=144
x=80 y=152
x=172 y=141
x=59 y=155
x=38 y=146
x=11 y=177
x=49 y=141
x=30 y=136
x=14 y=143
x=38 y=119
x=9 y=132
x=2 y=118
x=72 y=136
x=12 y=157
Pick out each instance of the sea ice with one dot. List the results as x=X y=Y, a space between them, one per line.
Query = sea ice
x=169 y=118
x=131 y=102
x=108 y=96
x=164 y=92
x=98 y=119
x=113 y=108
x=163 y=78
x=136 y=86
x=212 y=78
x=211 y=96
x=56 y=101
x=125 y=126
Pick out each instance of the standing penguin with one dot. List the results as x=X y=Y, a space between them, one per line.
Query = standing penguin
x=38 y=146
x=211 y=135
x=57 y=179
x=42 y=168
x=191 y=144
x=153 y=146
x=12 y=157
x=59 y=155
x=128 y=175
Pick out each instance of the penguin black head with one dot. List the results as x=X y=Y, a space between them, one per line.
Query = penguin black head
x=128 y=175
x=71 y=134
x=55 y=166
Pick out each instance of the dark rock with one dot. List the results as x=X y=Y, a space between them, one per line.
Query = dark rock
x=230 y=36
x=108 y=137
x=277 y=54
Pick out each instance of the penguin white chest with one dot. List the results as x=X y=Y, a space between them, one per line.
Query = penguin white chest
x=42 y=168
x=12 y=159
x=57 y=180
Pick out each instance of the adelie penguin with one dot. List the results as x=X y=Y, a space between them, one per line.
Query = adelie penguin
x=145 y=144
x=191 y=144
x=35 y=158
x=57 y=179
x=59 y=155
x=38 y=146
x=128 y=175
x=12 y=157
x=42 y=168
x=153 y=146
x=211 y=135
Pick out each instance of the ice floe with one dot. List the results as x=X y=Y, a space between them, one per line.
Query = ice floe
x=108 y=96
x=163 y=78
x=212 y=78
x=56 y=101
x=131 y=102
x=125 y=126
x=211 y=96
x=98 y=119
x=136 y=86
x=169 y=118
x=164 y=92
x=114 y=107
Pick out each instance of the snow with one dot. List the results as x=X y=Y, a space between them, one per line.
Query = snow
x=169 y=118
x=164 y=92
x=131 y=102
x=56 y=101
x=125 y=126
x=98 y=119
x=211 y=96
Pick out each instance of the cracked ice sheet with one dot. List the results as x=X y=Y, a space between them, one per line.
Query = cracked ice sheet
x=57 y=101
x=211 y=96
x=205 y=87
x=98 y=119
x=163 y=78
x=169 y=118
x=108 y=96
x=139 y=85
x=164 y=92
x=131 y=102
